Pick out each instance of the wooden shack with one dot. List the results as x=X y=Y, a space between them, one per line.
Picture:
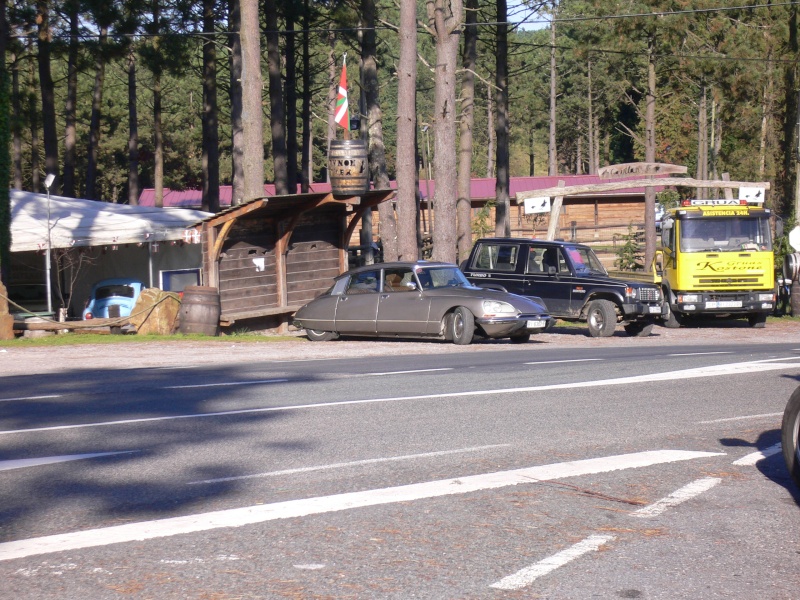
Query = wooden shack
x=271 y=255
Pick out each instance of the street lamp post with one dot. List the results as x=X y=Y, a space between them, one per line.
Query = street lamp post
x=47 y=183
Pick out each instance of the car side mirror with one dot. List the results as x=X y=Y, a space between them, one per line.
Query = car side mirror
x=551 y=270
x=411 y=285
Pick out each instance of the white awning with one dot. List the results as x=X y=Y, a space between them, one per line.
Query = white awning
x=76 y=222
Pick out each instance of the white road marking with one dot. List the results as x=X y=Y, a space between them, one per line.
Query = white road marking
x=698 y=353
x=405 y=372
x=712 y=371
x=225 y=383
x=248 y=515
x=528 y=575
x=679 y=496
x=753 y=458
x=742 y=418
x=355 y=463
x=21 y=398
x=21 y=463
x=555 y=362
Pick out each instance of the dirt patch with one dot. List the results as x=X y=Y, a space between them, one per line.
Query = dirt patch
x=130 y=354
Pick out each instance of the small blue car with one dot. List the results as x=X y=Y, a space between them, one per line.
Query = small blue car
x=112 y=293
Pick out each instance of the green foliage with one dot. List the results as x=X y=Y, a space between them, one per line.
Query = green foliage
x=630 y=254
x=482 y=222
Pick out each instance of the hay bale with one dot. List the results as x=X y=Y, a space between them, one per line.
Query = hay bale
x=156 y=312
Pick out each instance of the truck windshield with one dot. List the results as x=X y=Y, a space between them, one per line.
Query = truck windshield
x=725 y=235
x=584 y=260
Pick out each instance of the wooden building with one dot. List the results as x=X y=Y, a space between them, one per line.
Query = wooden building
x=270 y=256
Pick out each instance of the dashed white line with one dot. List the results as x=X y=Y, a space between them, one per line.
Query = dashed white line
x=225 y=383
x=249 y=515
x=698 y=353
x=753 y=458
x=742 y=418
x=21 y=398
x=554 y=362
x=679 y=496
x=528 y=575
x=355 y=463
x=407 y=372
x=21 y=463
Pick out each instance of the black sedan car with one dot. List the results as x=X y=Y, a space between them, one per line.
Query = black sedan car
x=422 y=299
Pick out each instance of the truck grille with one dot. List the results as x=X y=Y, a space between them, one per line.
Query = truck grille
x=649 y=294
x=723 y=282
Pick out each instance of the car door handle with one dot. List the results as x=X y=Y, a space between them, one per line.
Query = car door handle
x=384 y=296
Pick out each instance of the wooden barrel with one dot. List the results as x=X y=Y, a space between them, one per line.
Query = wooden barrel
x=200 y=310
x=348 y=167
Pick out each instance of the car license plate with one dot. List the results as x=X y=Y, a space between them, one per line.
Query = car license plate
x=724 y=304
x=655 y=309
x=535 y=324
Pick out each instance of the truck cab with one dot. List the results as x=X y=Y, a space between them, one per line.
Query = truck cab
x=570 y=279
x=716 y=259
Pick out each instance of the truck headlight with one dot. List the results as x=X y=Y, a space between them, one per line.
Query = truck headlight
x=766 y=297
x=495 y=307
x=688 y=298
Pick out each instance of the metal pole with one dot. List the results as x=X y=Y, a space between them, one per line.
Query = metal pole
x=47 y=254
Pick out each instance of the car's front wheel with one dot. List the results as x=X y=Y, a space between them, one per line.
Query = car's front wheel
x=757 y=320
x=790 y=436
x=462 y=326
x=520 y=338
x=601 y=318
x=320 y=336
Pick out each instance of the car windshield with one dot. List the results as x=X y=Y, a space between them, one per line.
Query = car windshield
x=584 y=260
x=724 y=234
x=114 y=291
x=433 y=278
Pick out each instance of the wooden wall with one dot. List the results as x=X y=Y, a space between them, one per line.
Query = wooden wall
x=313 y=257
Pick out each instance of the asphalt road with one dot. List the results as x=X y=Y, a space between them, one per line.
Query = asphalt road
x=617 y=472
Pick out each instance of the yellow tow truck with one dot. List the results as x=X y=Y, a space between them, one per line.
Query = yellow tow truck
x=716 y=259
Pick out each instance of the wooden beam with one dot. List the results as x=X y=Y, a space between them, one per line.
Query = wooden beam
x=591 y=188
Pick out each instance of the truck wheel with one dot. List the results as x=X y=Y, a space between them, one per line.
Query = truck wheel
x=672 y=321
x=639 y=329
x=320 y=336
x=462 y=326
x=790 y=435
x=757 y=320
x=602 y=318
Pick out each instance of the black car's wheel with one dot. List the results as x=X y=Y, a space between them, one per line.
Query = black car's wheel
x=320 y=336
x=520 y=338
x=639 y=329
x=672 y=320
x=757 y=320
x=602 y=318
x=790 y=434
x=462 y=326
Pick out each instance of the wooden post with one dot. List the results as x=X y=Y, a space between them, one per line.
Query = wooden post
x=555 y=214
x=727 y=190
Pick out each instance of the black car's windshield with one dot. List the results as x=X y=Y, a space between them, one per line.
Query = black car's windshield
x=431 y=278
x=584 y=260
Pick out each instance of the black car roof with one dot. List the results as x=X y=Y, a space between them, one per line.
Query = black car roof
x=532 y=241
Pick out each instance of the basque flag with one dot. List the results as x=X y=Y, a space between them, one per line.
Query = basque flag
x=342 y=115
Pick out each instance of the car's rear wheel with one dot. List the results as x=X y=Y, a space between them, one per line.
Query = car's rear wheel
x=320 y=336
x=639 y=329
x=790 y=436
x=757 y=320
x=462 y=326
x=520 y=338
x=601 y=318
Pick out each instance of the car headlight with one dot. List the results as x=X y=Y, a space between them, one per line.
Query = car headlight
x=496 y=307
x=630 y=292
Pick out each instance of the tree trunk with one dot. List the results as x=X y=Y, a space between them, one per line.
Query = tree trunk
x=276 y=116
x=766 y=104
x=33 y=119
x=51 y=165
x=252 y=116
x=407 y=245
x=490 y=133
x=158 y=142
x=702 y=140
x=592 y=164
x=97 y=107
x=445 y=18
x=70 y=108
x=291 y=100
x=210 y=123
x=650 y=156
x=552 y=155
x=235 y=95
x=333 y=86
x=306 y=171
x=502 y=223
x=467 y=121
x=133 y=132
x=377 y=150
x=16 y=120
